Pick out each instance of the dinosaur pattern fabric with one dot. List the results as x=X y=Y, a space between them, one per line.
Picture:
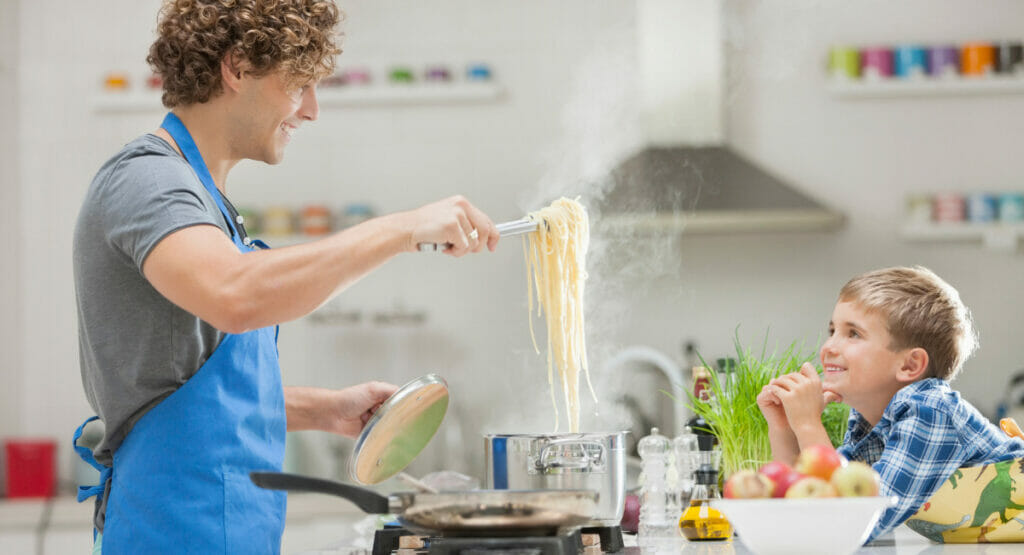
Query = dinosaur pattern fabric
x=980 y=504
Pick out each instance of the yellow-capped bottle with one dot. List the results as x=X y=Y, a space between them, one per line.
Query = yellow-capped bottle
x=701 y=522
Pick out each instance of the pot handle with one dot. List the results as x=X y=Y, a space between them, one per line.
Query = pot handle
x=586 y=461
x=369 y=501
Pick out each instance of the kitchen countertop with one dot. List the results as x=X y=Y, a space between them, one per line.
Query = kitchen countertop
x=347 y=522
x=903 y=541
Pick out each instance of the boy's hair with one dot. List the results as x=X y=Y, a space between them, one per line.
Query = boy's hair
x=194 y=36
x=921 y=310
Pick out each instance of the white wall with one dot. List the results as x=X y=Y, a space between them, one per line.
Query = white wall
x=10 y=364
x=864 y=156
x=566 y=114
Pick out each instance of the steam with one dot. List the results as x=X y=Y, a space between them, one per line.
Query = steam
x=601 y=128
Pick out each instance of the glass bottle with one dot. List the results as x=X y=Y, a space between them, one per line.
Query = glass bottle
x=657 y=525
x=686 y=451
x=701 y=522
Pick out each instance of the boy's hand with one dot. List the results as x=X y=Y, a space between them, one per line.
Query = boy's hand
x=772 y=409
x=801 y=396
x=831 y=397
x=785 y=445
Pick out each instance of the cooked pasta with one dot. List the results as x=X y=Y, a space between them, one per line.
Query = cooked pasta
x=556 y=269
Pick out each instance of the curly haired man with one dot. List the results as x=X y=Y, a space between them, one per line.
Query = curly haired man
x=178 y=308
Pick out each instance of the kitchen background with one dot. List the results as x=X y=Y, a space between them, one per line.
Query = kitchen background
x=571 y=103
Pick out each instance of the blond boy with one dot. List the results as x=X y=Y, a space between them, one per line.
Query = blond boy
x=896 y=338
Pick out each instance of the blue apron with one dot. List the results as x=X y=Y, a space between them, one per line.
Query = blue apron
x=179 y=482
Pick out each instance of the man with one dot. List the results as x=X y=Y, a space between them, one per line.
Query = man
x=178 y=308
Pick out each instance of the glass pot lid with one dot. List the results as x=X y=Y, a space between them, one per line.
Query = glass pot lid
x=399 y=430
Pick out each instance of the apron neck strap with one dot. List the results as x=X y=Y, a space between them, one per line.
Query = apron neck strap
x=173 y=125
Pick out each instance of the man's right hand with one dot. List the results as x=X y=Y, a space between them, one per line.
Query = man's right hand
x=450 y=221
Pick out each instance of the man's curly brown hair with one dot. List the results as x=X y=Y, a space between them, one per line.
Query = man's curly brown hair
x=193 y=36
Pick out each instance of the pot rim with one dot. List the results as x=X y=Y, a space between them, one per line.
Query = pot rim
x=558 y=435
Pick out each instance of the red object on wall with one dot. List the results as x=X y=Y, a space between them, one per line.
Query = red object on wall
x=31 y=469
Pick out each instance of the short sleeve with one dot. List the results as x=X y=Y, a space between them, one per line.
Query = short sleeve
x=150 y=197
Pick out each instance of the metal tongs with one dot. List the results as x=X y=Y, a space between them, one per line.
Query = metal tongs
x=506 y=229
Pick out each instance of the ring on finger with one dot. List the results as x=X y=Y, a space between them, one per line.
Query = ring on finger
x=474 y=235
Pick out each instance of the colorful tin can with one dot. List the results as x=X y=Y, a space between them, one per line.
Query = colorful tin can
x=844 y=62
x=944 y=61
x=982 y=208
x=1011 y=207
x=977 y=59
x=876 y=63
x=948 y=207
x=910 y=62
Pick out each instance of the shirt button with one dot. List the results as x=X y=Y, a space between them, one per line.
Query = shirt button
x=240 y=219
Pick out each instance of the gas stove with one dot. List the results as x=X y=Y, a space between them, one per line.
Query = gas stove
x=575 y=541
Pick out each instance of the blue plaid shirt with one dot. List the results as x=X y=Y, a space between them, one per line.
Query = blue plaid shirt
x=926 y=432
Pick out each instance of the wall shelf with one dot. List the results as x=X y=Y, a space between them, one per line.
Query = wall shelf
x=894 y=88
x=996 y=236
x=372 y=95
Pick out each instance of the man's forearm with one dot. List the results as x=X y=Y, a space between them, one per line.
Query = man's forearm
x=284 y=284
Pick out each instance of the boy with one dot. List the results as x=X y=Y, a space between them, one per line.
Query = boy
x=896 y=338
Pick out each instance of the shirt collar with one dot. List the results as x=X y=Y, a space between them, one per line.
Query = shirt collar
x=860 y=427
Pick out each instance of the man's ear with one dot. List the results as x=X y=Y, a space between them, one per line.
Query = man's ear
x=914 y=367
x=232 y=68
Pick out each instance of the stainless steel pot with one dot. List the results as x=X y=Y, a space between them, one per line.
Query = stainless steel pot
x=587 y=461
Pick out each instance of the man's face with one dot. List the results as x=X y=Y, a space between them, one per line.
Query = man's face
x=857 y=360
x=273 y=109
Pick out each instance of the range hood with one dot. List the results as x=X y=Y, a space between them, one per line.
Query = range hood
x=687 y=177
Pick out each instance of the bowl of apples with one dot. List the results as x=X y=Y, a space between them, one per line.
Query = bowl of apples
x=822 y=504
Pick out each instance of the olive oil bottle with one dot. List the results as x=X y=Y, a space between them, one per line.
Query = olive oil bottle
x=701 y=522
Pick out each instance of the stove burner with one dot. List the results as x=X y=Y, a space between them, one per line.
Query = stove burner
x=395 y=539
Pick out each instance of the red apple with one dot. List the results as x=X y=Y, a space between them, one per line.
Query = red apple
x=819 y=461
x=856 y=479
x=810 y=486
x=747 y=484
x=782 y=475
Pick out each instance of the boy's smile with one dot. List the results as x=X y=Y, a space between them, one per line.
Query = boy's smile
x=858 y=363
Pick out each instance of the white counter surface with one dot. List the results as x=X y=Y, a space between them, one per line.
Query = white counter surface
x=903 y=541
x=325 y=525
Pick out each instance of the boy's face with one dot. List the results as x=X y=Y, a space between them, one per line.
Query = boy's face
x=857 y=360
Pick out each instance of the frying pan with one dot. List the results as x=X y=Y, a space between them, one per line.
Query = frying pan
x=394 y=436
x=462 y=513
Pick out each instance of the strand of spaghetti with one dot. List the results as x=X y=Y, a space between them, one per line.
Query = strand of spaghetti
x=529 y=292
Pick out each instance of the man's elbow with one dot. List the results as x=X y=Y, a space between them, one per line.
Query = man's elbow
x=235 y=313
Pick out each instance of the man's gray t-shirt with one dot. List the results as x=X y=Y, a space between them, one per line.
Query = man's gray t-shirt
x=136 y=347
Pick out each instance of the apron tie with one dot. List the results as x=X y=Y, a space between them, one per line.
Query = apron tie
x=85 y=492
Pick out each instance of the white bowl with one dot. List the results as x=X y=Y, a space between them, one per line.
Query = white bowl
x=811 y=526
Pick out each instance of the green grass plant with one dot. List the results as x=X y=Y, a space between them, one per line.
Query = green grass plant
x=732 y=412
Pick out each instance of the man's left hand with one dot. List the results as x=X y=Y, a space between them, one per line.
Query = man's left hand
x=342 y=411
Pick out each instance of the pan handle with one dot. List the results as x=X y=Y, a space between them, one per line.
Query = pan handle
x=370 y=502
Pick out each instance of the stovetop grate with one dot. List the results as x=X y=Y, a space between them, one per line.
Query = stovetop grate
x=394 y=539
